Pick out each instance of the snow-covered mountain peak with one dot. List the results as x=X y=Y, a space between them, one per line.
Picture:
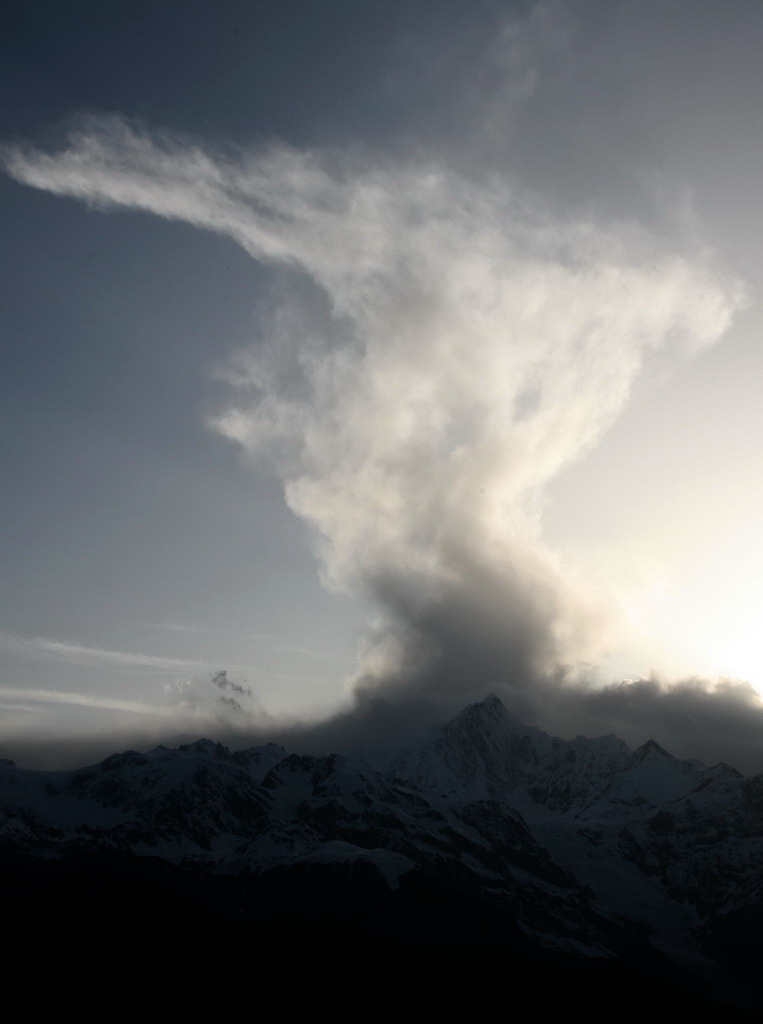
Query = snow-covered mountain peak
x=488 y=723
x=483 y=714
x=490 y=704
x=649 y=749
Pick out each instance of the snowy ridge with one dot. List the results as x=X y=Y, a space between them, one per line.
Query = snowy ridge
x=577 y=839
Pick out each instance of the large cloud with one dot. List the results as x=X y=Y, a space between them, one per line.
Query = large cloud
x=444 y=349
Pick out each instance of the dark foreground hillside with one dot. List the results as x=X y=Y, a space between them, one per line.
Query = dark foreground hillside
x=115 y=933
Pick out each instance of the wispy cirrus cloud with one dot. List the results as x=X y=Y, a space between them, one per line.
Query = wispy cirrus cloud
x=32 y=696
x=79 y=654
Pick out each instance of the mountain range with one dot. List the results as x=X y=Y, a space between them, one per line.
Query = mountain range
x=479 y=856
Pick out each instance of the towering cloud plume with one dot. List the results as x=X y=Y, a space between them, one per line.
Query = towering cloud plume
x=444 y=349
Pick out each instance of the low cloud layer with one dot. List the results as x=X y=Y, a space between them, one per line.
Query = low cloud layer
x=55 y=728
x=442 y=349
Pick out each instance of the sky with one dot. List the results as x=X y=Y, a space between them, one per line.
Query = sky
x=362 y=358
